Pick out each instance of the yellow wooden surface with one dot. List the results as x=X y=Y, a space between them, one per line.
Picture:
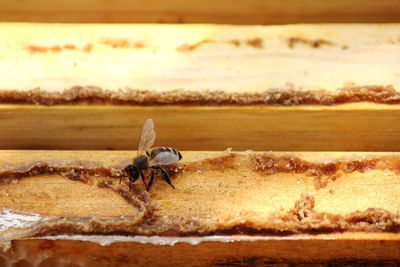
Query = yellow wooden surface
x=217 y=191
x=220 y=11
x=358 y=127
x=158 y=58
x=161 y=67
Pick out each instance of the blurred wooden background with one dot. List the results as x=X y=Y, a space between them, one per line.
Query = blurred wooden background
x=307 y=128
x=374 y=128
x=200 y=11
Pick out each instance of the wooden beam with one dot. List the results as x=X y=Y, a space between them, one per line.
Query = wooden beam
x=361 y=127
x=333 y=208
x=332 y=249
x=168 y=62
x=208 y=87
x=221 y=11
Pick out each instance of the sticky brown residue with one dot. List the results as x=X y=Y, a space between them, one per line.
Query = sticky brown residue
x=122 y=43
x=87 y=48
x=73 y=170
x=234 y=42
x=146 y=220
x=287 y=164
x=286 y=97
x=307 y=219
x=220 y=163
x=304 y=207
x=69 y=47
x=302 y=218
x=92 y=174
x=323 y=172
x=268 y=164
x=380 y=218
x=192 y=47
x=316 y=43
x=80 y=170
x=43 y=49
x=255 y=42
x=55 y=48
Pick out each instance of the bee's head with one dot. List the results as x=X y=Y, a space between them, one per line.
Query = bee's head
x=132 y=172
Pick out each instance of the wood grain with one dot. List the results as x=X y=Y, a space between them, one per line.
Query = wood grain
x=211 y=192
x=204 y=59
x=161 y=58
x=358 y=127
x=334 y=249
x=220 y=187
x=221 y=11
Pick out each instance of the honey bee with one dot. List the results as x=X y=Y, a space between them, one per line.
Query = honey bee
x=151 y=158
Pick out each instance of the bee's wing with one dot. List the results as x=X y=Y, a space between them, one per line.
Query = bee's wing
x=163 y=158
x=147 y=137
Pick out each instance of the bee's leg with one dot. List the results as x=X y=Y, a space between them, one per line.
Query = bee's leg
x=150 y=182
x=142 y=176
x=132 y=176
x=165 y=176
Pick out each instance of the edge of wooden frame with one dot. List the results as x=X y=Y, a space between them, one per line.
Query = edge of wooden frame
x=348 y=127
x=221 y=11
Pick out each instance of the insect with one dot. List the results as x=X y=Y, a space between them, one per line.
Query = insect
x=151 y=158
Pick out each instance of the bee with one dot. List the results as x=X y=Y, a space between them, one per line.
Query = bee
x=151 y=158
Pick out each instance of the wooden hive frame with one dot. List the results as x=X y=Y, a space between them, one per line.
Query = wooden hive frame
x=306 y=128
x=360 y=181
x=221 y=11
x=258 y=110
x=71 y=202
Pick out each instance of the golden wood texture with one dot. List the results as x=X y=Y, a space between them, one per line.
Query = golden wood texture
x=203 y=59
x=357 y=127
x=223 y=179
x=211 y=193
x=200 y=59
x=221 y=11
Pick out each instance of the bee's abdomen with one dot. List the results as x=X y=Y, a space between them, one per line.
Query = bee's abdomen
x=155 y=151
